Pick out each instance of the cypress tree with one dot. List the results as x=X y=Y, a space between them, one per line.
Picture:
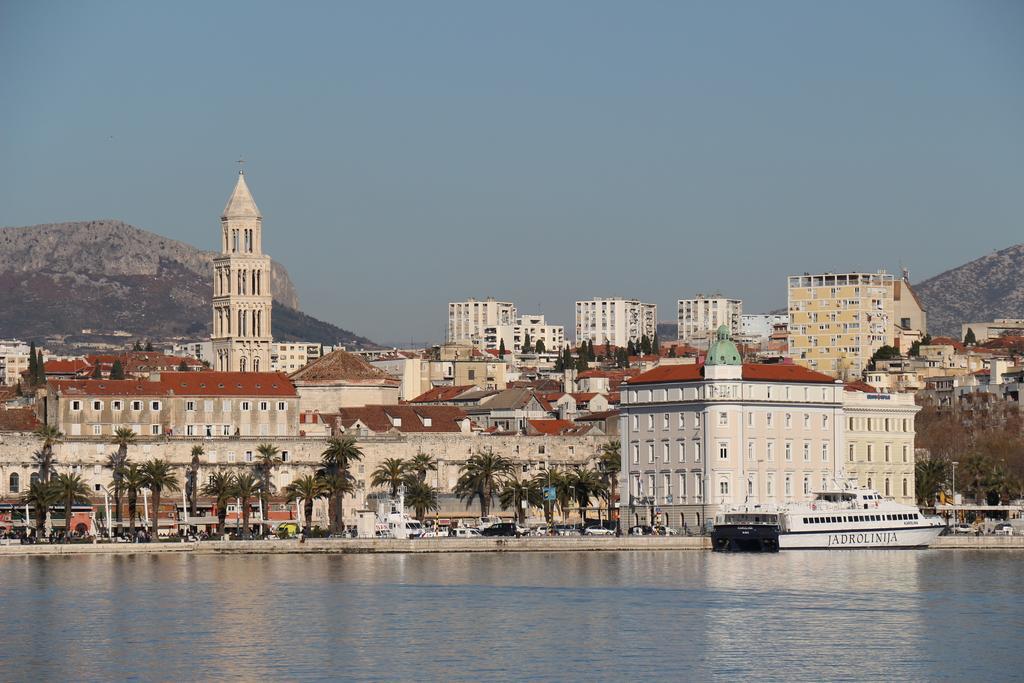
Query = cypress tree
x=501 y=350
x=96 y=372
x=149 y=345
x=645 y=345
x=590 y=350
x=539 y=347
x=40 y=368
x=527 y=344
x=183 y=366
x=969 y=338
x=33 y=370
x=117 y=370
x=655 y=345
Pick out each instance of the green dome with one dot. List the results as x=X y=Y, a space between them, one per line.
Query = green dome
x=723 y=350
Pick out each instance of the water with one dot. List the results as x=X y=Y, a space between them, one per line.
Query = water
x=895 y=615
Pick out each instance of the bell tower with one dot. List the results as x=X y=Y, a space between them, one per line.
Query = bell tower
x=242 y=302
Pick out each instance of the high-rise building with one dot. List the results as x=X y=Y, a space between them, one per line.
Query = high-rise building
x=242 y=302
x=615 y=321
x=485 y=324
x=838 y=320
x=539 y=330
x=699 y=318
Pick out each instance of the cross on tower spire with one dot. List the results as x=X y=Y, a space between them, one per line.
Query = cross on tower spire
x=241 y=165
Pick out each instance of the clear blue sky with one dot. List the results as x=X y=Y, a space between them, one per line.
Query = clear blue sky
x=408 y=154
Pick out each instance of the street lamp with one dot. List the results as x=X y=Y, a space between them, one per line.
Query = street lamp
x=955 y=517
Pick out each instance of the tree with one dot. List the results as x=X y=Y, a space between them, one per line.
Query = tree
x=587 y=484
x=391 y=473
x=132 y=482
x=158 y=476
x=479 y=478
x=422 y=498
x=581 y=364
x=501 y=348
x=527 y=344
x=44 y=458
x=884 y=352
x=630 y=348
x=247 y=486
x=336 y=460
x=182 y=366
x=71 y=489
x=422 y=463
x=33 y=368
x=655 y=345
x=622 y=357
x=539 y=346
x=306 y=488
x=192 y=480
x=117 y=370
x=220 y=486
x=40 y=378
x=915 y=349
x=567 y=360
x=149 y=346
x=514 y=491
x=609 y=464
x=268 y=458
x=137 y=346
x=97 y=372
x=969 y=338
x=336 y=487
x=123 y=438
x=672 y=351
x=590 y=350
x=40 y=495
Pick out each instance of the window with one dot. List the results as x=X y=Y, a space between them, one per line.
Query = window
x=14 y=482
x=682 y=486
x=723 y=419
x=668 y=487
x=888 y=456
x=665 y=452
x=768 y=419
x=264 y=406
x=136 y=405
x=887 y=491
x=245 y=406
x=97 y=430
x=154 y=405
x=650 y=452
x=190 y=430
x=682 y=450
x=665 y=420
x=750 y=419
x=807 y=485
x=789 y=421
x=696 y=451
x=212 y=456
x=723 y=488
x=824 y=422
x=824 y=452
x=905 y=488
x=650 y=421
x=750 y=486
x=789 y=485
x=698 y=486
x=284 y=456
x=208 y=406
x=225 y=405
x=769 y=485
x=682 y=420
x=651 y=486
x=696 y=420
x=636 y=422
x=116 y=405
x=723 y=451
x=636 y=454
x=906 y=450
x=231 y=456
x=281 y=405
x=807 y=452
x=789 y=451
x=97 y=405
x=190 y=405
x=807 y=421
x=76 y=406
x=851 y=452
x=248 y=456
x=750 y=450
x=871 y=450
x=154 y=430
x=769 y=451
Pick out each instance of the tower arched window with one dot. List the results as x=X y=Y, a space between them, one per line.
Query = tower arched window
x=241 y=364
x=14 y=482
x=256 y=364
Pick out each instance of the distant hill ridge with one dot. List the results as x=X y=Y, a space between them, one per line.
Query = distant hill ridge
x=986 y=288
x=61 y=278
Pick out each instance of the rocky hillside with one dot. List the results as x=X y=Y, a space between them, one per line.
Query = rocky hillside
x=106 y=276
x=986 y=288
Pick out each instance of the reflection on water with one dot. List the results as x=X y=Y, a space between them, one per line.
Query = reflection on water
x=901 y=615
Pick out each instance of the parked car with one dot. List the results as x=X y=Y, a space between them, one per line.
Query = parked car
x=963 y=529
x=598 y=531
x=641 y=530
x=467 y=532
x=566 y=530
x=541 y=530
x=1003 y=529
x=502 y=529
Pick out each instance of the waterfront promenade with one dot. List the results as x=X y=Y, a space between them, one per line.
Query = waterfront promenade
x=440 y=545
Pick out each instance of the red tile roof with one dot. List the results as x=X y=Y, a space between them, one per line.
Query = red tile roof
x=381 y=418
x=439 y=394
x=557 y=427
x=59 y=366
x=751 y=372
x=947 y=341
x=860 y=386
x=18 y=420
x=598 y=417
x=182 y=384
x=342 y=366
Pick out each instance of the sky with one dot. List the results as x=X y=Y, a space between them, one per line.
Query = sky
x=408 y=154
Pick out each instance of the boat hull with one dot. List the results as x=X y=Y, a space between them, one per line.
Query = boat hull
x=894 y=537
x=749 y=538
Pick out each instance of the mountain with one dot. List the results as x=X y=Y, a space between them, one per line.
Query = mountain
x=90 y=279
x=986 y=288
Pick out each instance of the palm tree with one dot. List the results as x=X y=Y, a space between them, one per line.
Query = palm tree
x=545 y=478
x=306 y=488
x=123 y=437
x=586 y=484
x=336 y=460
x=132 y=481
x=71 y=489
x=220 y=486
x=269 y=458
x=158 y=476
x=514 y=491
x=479 y=478
x=422 y=463
x=392 y=473
x=609 y=464
x=40 y=495
x=192 y=482
x=564 y=494
x=422 y=498
x=44 y=457
x=336 y=487
x=247 y=486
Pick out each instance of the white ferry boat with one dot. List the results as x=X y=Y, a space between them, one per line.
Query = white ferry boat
x=845 y=518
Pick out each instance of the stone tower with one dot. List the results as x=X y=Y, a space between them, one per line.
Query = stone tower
x=241 y=288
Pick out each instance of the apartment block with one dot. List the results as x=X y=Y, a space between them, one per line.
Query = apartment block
x=537 y=327
x=287 y=357
x=484 y=324
x=699 y=318
x=615 y=321
x=838 y=320
x=13 y=360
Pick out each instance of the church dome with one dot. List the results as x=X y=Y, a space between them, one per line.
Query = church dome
x=723 y=350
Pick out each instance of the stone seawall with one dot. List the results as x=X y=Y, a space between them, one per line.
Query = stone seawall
x=441 y=545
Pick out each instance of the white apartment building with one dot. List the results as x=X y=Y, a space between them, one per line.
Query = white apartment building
x=615 y=321
x=14 y=356
x=534 y=325
x=485 y=324
x=695 y=438
x=288 y=357
x=700 y=317
x=761 y=325
x=838 y=320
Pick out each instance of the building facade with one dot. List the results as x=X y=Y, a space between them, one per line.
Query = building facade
x=287 y=357
x=615 y=321
x=697 y=437
x=14 y=358
x=879 y=434
x=537 y=327
x=837 y=321
x=700 y=317
x=484 y=324
x=242 y=301
x=761 y=325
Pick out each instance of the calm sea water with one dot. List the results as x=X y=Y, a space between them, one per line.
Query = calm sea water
x=894 y=615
